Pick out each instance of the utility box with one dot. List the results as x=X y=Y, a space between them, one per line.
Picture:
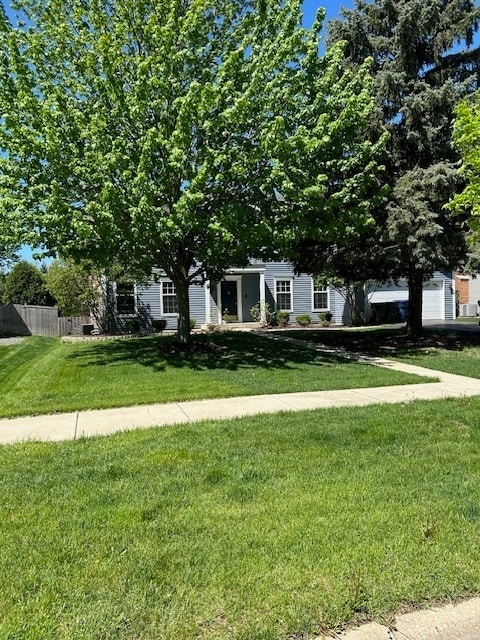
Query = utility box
x=87 y=329
x=467 y=310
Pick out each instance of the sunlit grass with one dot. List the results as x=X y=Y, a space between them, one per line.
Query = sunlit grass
x=44 y=375
x=270 y=527
x=439 y=350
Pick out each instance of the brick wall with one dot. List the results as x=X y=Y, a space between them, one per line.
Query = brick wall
x=462 y=285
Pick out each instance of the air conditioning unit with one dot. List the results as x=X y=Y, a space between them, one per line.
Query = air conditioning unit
x=468 y=310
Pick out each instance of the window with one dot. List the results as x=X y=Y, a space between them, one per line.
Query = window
x=169 y=298
x=320 y=297
x=283 y=295
x=125 y=298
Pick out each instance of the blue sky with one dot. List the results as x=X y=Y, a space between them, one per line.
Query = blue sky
x=332 y=7
x=310 y=8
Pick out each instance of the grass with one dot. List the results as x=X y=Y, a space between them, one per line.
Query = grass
x=457 y=353
x=270 y=527
x=45 y=375
x=468 y=319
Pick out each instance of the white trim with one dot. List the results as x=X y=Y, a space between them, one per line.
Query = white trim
x=166 y=315
x=246 y=270
x=208 y=311
x=453 y=285
x=283 y=279
x=263 y=314
x=238 y=280
x=327 y=290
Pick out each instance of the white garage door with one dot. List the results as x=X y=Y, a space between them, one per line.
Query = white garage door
x=433 y=300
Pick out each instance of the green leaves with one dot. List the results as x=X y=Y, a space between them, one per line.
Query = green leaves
x=466 y=135
x=159 y=132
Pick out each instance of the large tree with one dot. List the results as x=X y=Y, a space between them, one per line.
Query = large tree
x=424 y=64
x=171 y=133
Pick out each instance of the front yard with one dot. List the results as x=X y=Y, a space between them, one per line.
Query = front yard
x=440 y=350
x=270 y=527
x=265 y=528
x=44 y=375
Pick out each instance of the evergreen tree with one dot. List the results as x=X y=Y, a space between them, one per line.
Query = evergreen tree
x=425 y=62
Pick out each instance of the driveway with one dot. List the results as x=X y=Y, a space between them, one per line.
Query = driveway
x=452 y=325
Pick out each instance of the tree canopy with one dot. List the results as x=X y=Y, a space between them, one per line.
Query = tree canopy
x=466 y=137
x=73 y=287
x=25 y=284
x=9 y=244
x=188 y=135
x=424 y=63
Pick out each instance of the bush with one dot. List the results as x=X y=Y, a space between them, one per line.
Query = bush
x=159 y=326
x=303 y=320
x=193 y=322
x=256 y=313
x=132 y=325
x=282 y=318
x=325 y=319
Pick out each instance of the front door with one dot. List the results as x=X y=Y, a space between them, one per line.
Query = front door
x=229 y=300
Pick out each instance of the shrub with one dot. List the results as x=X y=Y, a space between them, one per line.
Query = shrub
x=326 y=318
x=303 y=320
x=159 y=326
x=193 y=322
x=132 y=325
x=282 y=318
x=256 y=313
x=358 y=321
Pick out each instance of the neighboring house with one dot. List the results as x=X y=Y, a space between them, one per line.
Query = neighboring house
x=276 y=284
x=468 y=294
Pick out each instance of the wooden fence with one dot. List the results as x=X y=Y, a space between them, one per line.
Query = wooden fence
x=32 y=320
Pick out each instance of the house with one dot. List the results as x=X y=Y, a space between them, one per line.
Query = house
x=275 y=284
x=468 y=294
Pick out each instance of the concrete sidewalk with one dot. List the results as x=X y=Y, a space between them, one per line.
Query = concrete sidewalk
x=459 y=621
x=452 y=622
x=67 y=426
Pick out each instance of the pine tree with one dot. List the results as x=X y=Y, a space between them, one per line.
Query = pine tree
x=424 y=63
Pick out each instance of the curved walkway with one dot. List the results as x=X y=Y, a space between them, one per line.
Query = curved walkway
x=453 y=622
x=67 y=426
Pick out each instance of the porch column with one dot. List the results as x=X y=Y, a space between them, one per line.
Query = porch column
x=208 y=317
x=263 y=315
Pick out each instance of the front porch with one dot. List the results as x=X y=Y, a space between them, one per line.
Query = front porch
x=229 y=302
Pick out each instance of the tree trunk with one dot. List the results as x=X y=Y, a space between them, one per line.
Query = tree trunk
x=415 y=303
x=183 y=302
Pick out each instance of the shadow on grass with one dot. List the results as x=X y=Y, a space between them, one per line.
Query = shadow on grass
x=382 y=342
x=229 y=351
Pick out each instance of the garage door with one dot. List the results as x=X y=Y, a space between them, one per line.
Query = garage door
x=433 y=300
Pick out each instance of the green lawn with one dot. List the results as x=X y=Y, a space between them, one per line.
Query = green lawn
x=44 y=375
x=440 y=350
x=265 y=528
